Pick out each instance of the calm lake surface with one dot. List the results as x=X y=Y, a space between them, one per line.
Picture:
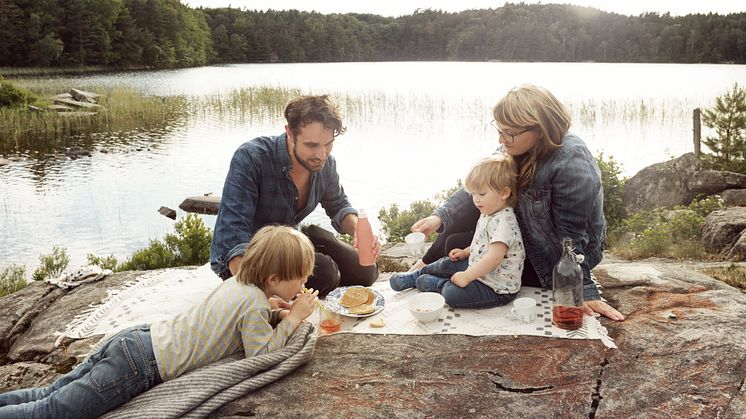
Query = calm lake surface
x=413 y=129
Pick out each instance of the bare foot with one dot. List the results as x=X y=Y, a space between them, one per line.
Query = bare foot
x=418 y=265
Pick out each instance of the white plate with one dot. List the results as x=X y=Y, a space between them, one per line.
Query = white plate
x=332 y=301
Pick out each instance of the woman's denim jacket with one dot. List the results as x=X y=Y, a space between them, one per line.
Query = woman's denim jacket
x=564 y=200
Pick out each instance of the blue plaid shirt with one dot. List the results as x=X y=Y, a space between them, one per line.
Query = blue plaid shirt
x=258 y=191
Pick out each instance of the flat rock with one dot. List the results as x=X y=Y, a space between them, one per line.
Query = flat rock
x=76 y=104
x=209 y=204
x=682 y=353
x=710 y=182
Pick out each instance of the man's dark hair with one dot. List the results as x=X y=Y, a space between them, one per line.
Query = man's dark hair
x=308 y=109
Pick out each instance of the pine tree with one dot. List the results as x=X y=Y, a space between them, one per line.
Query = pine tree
x=728 y=119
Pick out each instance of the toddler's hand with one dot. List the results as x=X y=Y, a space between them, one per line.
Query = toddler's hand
x=457 y=254
x=460 y=279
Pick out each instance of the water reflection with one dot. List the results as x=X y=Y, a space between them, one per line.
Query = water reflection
x=413 y=129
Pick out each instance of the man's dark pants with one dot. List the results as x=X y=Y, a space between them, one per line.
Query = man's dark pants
x=336 y=263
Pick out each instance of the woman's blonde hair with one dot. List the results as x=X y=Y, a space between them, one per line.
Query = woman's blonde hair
x=533 y=107
x=278 y=250
x=495 y=172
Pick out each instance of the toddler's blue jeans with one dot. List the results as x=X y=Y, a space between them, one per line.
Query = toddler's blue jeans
x=436 y=277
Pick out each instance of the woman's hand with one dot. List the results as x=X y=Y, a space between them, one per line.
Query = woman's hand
x=600 y=307
x=427 y=225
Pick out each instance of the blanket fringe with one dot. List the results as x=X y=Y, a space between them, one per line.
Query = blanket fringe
x=83 y=324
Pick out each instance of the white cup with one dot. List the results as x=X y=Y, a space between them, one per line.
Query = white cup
x=415 y=242
x=524 y=309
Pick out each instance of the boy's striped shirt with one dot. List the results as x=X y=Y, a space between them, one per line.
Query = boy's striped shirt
x=232 y=317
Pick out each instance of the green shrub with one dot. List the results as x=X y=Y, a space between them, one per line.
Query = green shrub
x=613 y=184
x=108 y=262
x=11 y=96
x=395 y=223
x=12 y=279
x=728 y=119
x=672 y=232
x=189 y=246
x=52 y=265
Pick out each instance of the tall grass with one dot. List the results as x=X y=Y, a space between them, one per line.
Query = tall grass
x=122 y=110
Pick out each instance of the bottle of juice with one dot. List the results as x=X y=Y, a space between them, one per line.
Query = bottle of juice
x=364 y=235
x=567 y=290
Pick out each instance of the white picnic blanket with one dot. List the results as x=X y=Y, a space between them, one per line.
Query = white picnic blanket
x=475 y=322
x=154 y=296
x=164 y=293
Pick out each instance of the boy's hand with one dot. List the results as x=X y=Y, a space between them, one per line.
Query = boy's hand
x=303 y=306
x=277 y=302
x=458 y=254
x=460 y=279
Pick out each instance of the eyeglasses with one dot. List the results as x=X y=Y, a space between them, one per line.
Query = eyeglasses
x=504 y=135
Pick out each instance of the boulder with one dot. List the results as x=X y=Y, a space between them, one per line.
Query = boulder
x=4 y=162
x=660 y=185
x=724 y=232
x=734 y=197
x=711 y=182
x=682 y=353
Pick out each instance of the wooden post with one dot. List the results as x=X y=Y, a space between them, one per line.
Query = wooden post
x=697 y=130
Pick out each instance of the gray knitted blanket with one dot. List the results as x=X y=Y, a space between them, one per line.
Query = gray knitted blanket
x=204 y=390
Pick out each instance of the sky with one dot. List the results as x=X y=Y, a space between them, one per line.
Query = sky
x=405 y=7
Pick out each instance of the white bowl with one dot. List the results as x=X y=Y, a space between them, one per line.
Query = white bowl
x=426 y=306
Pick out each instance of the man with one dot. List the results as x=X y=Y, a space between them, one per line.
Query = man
x=280 y=180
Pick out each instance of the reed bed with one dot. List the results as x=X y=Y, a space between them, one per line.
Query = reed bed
x=125 y=110
x=122 y=110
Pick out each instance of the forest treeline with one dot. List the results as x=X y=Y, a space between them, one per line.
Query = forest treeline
x=166 y=34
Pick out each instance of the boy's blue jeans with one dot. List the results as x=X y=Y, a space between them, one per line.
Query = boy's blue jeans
x=436 y=277
x=123 y=368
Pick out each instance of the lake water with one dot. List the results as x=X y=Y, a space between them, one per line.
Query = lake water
x=413 y=129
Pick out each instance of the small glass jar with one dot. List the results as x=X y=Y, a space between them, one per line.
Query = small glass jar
x=329 y=321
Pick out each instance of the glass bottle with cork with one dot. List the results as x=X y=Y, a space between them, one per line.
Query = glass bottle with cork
x=567 y=289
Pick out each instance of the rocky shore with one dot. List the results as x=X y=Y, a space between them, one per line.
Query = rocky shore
x=682 y=353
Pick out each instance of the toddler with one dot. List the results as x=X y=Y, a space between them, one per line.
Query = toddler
x=488 y=273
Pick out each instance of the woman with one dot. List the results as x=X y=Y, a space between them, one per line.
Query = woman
x=559 y=194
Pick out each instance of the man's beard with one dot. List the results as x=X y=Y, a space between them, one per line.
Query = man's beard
x=306 y=164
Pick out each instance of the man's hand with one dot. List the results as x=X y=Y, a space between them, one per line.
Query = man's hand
x=376 y=246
